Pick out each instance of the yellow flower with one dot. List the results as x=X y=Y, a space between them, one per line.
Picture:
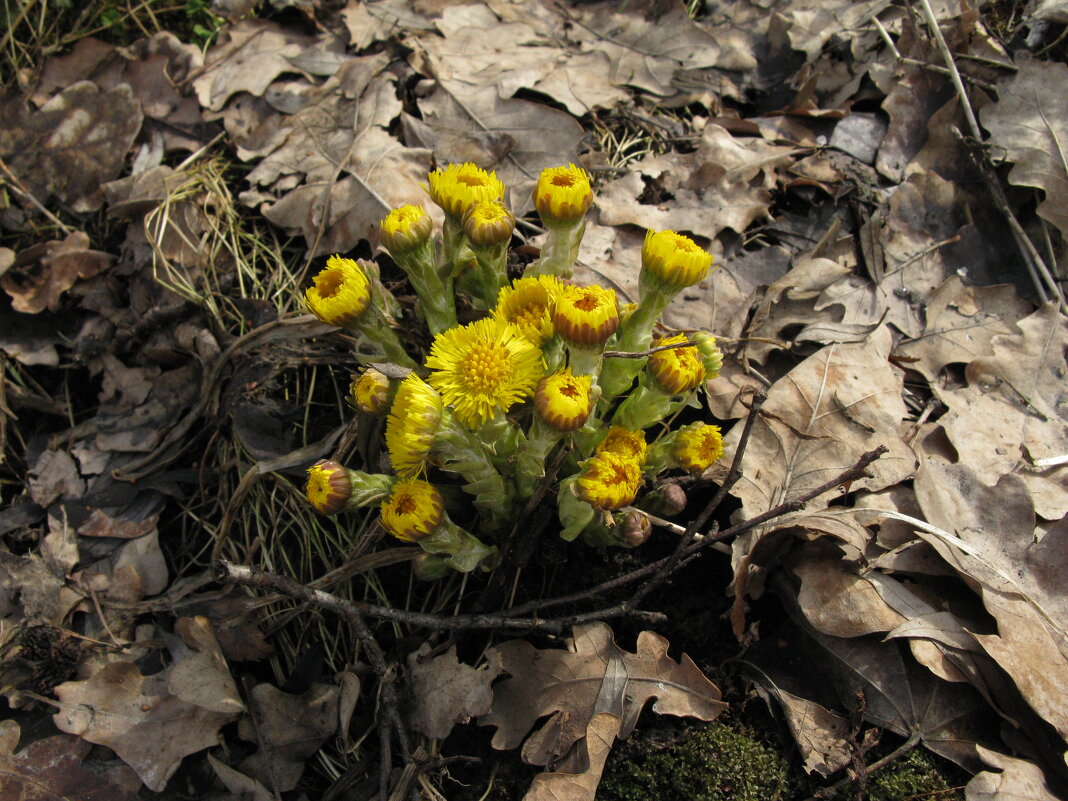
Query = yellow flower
x=412 y=425
x=677 y=370
x=586 y=315
x=697 y=446
x=562 y=400
x=674 y=259
x=328 y=488
x=406 y=228
x=563 y=194
x=711 y=355
x=526 y=305
x=413 y=509
x=626 y=443
x=608 y=480
x=459 y=186
x=488 y=222
x=370 y=392
x=340 y=292
x=483 y=366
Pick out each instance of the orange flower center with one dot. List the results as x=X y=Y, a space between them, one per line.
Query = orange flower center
x=569 y=391
x=329 y=283
x=470 y=180
x=406 y=505
x=563 y=179
x=588 y=302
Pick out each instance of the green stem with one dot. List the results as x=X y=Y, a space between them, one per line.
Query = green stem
x=560 y=250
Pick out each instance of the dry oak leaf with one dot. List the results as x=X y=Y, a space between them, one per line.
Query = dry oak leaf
x=1030 y=123
x=1018 y=780
x=152 y=722
x=51 y=769
x=593 y=675
x=577 y=780
x=446 y=692
x=75 y=142
x=42 y=273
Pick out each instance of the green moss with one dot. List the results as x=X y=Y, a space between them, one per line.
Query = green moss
x=914 y=775
x=716 y=762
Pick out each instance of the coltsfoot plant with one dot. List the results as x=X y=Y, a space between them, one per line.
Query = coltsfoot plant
x=550 y=372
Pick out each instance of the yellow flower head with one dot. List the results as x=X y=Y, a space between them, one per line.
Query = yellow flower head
x=677 y=370
x=413 y=509
x=526 y=304
x=340 y=292
x=488 y=222
x=626 y=443
x=371 y=391
x=483 y=366
x=697 y=446
x=412 y=425
x=406 y=228
x=563 y=194
x=674 y=259
x=711 y=355
x=459 y=186
x=608 y=480
x=328 y=488
x=586 y=315
x=562 y=400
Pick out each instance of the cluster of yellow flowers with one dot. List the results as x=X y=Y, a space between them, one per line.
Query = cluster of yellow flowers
x=545 y=364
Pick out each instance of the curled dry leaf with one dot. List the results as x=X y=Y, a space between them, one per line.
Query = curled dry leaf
x=593 y=675
x=41 y=274
x=578 y=777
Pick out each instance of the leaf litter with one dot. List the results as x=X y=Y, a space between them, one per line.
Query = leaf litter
x=872 y=292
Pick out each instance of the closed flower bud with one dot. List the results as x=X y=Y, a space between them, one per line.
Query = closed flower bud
x=371 y=392
x=674 y=260
x=406 y=228
x=634 y=529
x=488 y=223
x=430 y=567
x=676 y=370
x=667 y=500
x=562 y=400
x=413 y=510
x=340 y=293
x=413 y=423
x=711 y=355
x=586 y=316
x=459 y=186
x=563 y=194
x=527 y=304
x=329 y=487
x=697 y=446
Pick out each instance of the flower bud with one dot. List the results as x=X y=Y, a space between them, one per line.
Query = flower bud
x=371 y=392
x=608 y=481
x=329 y=487
x=459 y=186
x=677 y=370
x=563 y=194
x=562 y=400
x=406 y=228
x=527 y=304
x=429 y=567
x=634 y=529
x=697 y=446
x=340 y=293
x=413 y=510
x=711 y=355
x=488 y=223
x=667 y=500
x=626 y=443
x=674 y=260
x=414 y=419
x=586 y=316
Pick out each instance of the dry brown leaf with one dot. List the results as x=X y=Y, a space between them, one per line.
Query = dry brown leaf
x=41 y=274
x=836 y=601
x=578 y=779
x=142 y=720
x=516 y=138
x=840 y=402
x=446 y=692
x=378 y=21
x=726 y=183
x=52 y=768
x=1030 y=123
x=593 y=675
x=1017 y=780
x=288 y=729
x=810 y=24
x=75 y=142
x=1013 y=411
x=242 y=786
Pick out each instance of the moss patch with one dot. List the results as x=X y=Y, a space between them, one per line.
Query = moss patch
x=717 y=762
x=914 y=775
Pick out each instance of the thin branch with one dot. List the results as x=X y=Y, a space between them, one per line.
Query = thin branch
x=639 y=354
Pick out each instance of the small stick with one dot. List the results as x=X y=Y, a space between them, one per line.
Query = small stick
x=16 y=186
x=638 y=354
